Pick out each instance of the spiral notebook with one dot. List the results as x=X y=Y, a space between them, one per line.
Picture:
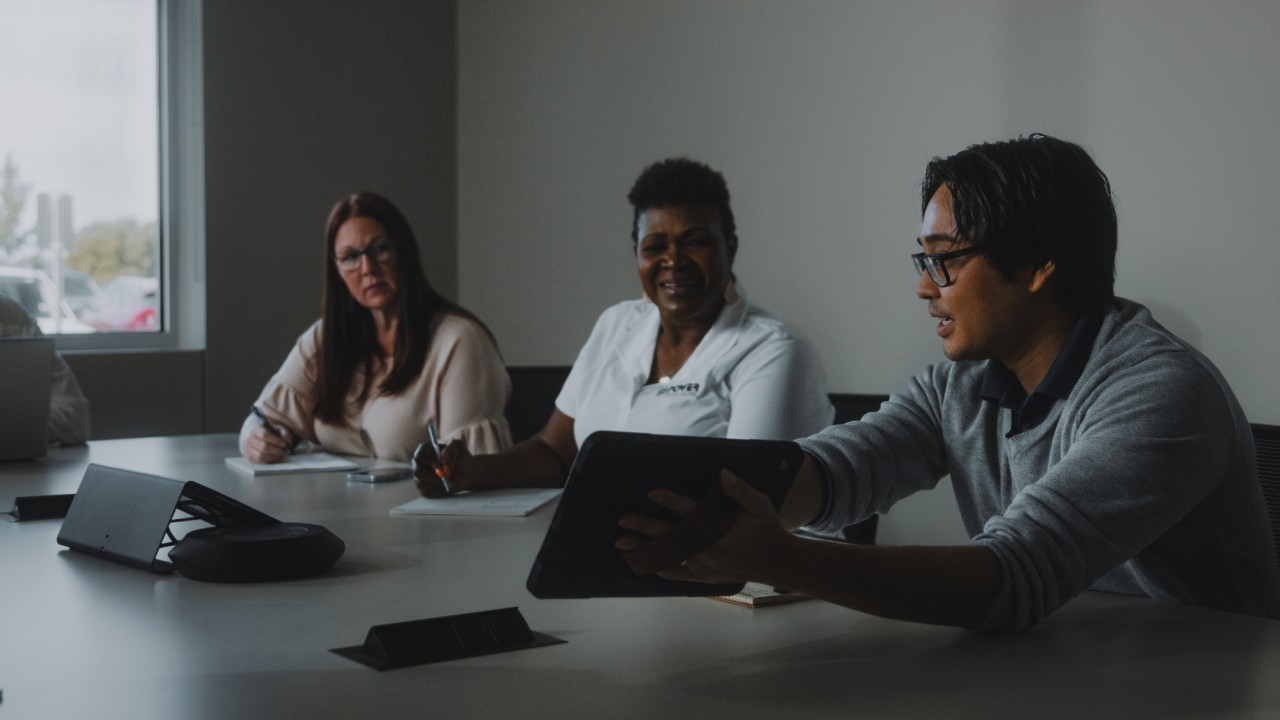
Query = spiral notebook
x=757 y=595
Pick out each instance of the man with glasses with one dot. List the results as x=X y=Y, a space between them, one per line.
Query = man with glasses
x=1088 y=447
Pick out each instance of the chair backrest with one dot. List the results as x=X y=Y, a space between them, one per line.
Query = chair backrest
x=533 y=397
x=1266 y=439
x=849 y=407
x=852 y=406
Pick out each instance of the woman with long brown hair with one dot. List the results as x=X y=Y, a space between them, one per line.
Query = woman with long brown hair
x=388 y=356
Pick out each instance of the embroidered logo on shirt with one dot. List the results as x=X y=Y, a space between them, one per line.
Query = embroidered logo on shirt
x=681 y=389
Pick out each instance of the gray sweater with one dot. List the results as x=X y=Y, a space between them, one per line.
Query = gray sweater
x=1142 y=481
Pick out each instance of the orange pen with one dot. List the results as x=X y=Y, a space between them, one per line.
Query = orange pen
x=441 y=470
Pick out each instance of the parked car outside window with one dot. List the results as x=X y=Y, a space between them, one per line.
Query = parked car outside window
x=38 y=296
x=81 y=292
x=128 y=303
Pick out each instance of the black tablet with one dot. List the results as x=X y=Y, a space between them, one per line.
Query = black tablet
x=612 y=476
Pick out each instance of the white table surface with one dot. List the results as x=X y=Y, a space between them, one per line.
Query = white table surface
x=82 y=637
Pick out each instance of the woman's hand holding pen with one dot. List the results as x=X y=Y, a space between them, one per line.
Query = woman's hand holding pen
x=269 y=442
x=440 y=477
x=265 y=446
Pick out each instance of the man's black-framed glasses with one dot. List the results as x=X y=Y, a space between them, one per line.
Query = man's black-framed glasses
x=936 y=264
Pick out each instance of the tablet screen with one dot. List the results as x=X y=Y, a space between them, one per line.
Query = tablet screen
x=612 y=476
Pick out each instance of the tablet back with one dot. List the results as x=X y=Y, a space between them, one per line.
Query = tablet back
x=26 y=377
x=611 y=477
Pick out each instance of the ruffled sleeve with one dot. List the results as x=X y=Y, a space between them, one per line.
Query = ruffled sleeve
x=471 y=386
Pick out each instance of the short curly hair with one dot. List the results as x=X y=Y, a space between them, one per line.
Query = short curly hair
x=681 y=181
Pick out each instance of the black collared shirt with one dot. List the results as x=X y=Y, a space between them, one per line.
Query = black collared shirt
x=1002 y=386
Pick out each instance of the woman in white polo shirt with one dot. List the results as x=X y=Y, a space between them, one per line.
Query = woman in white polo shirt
x=693 y=357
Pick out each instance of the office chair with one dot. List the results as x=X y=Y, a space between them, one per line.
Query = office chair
x=1266 y=439
x=533 y=397
x=849 y=407
x=852 y=406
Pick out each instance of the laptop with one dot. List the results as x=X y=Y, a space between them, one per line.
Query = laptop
x=26 y=382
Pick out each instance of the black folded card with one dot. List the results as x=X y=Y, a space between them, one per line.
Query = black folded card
x=41 y=507
x=418 y=642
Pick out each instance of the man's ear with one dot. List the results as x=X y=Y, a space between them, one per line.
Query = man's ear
x=1040 y=276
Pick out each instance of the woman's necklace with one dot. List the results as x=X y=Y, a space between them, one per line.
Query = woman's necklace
x=663 y=375
x=668 y=359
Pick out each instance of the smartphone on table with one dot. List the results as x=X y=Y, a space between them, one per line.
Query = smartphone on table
x=381 y=474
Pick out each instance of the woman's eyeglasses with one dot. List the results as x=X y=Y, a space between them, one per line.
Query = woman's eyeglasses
x=379 y=252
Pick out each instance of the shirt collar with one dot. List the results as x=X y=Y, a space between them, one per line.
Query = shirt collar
x=999 y=381
x=724 y=333
x=636 y=344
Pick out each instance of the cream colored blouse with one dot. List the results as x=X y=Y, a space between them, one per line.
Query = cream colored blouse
x=463 y=387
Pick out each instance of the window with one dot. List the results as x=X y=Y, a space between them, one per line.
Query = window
x=100 y=169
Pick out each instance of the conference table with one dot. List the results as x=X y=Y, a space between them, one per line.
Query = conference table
x=83 y=637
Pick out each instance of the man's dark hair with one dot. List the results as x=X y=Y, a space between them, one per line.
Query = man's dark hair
x=681 y=181
x=1030 y=201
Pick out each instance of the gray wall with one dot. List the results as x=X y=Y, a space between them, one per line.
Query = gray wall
x=306 y=101
x=822 y=115
x=141 y=394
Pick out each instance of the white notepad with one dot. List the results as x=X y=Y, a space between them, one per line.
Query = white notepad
x=303 y=463
x=511 y=503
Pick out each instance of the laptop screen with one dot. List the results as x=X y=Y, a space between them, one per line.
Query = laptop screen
x=25 y=386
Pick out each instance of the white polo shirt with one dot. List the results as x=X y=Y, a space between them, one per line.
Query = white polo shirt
x=748 y=378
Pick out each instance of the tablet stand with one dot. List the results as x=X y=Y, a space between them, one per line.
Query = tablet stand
x=129 y=516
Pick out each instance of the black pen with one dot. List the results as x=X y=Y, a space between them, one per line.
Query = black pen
x=265 y=422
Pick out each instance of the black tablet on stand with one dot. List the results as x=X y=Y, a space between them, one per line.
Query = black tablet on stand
x=612 y=476
x=162 y=524
x=126 y=516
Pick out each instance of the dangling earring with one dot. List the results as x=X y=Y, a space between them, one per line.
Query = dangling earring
x=731 y=291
